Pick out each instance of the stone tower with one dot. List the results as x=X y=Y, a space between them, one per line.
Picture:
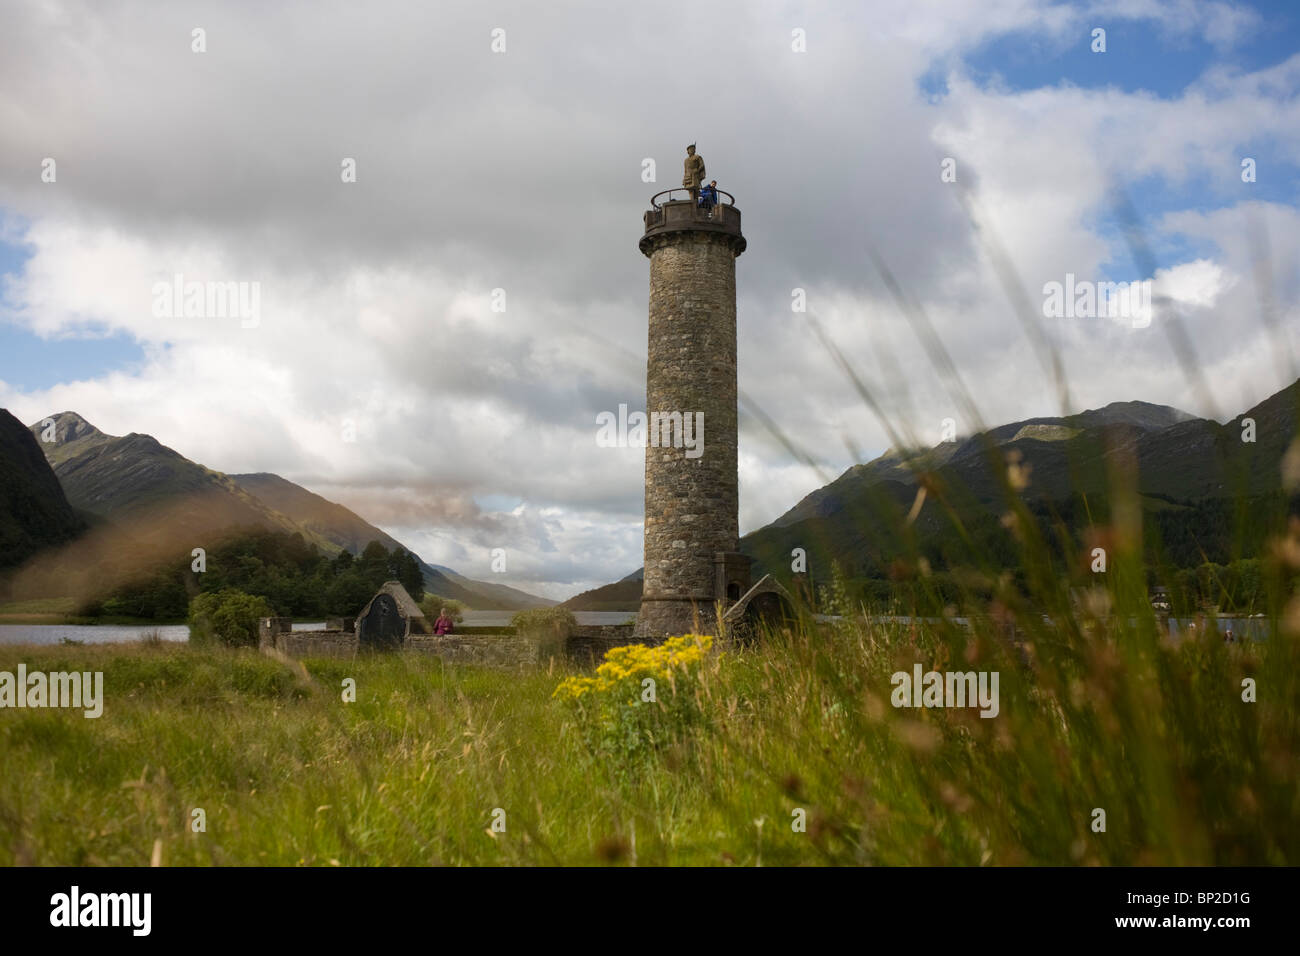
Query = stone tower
x=691 y=497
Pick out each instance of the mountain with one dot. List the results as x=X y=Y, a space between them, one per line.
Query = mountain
x=34 y=511
x=1053 y=442
x=622 y=595
x=349 y=531
x=159 y=496
x=157 y=502
x=1181 y=463
x=504 y=596
x=333 y=522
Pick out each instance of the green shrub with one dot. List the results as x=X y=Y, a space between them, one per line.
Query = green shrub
x=227 y=617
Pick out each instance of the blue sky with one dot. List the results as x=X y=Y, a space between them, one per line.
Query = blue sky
x=31 y=362
x=1140 y=55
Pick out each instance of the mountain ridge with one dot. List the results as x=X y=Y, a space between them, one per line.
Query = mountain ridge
x=894 y=465
x=165 y=501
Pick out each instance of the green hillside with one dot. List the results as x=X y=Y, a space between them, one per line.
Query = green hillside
x=622 y=595
x=1205 y=494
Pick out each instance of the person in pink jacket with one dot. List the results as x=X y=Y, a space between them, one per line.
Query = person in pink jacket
x=443 y=624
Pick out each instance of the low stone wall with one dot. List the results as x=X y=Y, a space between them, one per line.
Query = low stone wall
x=493 y=650
x=589 y=642
x=586 y=646
x=317 y=643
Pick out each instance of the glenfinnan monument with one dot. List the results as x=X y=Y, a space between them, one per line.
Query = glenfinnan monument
x=693 y=571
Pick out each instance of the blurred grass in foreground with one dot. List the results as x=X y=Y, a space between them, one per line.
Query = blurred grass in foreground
x=1094 y=713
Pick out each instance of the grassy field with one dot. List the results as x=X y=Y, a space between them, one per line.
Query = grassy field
x=1092 y=716
x=41 y=611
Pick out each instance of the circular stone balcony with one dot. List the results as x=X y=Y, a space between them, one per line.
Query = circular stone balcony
x=669 y=215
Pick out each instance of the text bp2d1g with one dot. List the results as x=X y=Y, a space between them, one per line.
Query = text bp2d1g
x=1164 y=899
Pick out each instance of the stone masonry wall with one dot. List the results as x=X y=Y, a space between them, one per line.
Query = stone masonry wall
x=690 y=503
x=336 y=643
x=589 y=642
x=587 y=645
x=493 y=650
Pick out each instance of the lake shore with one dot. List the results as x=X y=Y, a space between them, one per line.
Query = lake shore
x=40 y=629
x=80 y=621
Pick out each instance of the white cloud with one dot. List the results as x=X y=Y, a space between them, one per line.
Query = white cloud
x=1199 y=284
x=522 y=172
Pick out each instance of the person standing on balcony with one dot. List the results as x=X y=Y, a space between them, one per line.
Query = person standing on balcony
x=709 y=197
x=693 y=173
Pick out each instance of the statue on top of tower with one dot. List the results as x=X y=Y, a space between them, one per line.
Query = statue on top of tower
x=693 y=174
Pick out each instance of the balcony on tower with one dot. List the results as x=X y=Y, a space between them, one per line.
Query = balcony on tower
x=672 y=211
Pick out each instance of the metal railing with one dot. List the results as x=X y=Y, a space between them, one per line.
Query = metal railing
x=654 y=200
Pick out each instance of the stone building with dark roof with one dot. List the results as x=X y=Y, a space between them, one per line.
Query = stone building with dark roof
x=390 y=617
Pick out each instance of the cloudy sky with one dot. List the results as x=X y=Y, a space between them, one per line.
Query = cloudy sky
x=521 y=169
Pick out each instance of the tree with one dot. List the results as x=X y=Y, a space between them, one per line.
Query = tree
x=227 y=617
x=374 y=558
x=348 y=594
x=405 y=567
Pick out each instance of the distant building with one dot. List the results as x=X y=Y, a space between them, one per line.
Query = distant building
x=390 y=617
